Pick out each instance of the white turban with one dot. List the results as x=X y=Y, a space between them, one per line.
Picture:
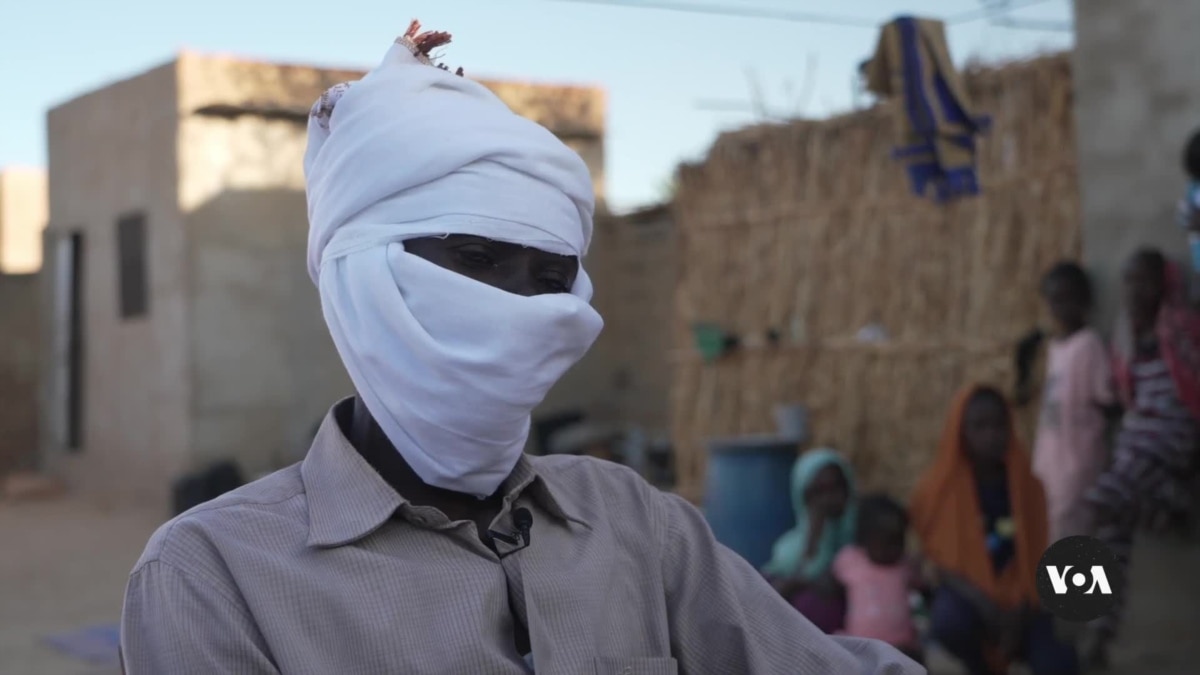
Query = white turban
x=449 y=367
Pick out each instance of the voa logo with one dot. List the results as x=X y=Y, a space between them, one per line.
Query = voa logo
x=1079 y=579
x=1059 y=580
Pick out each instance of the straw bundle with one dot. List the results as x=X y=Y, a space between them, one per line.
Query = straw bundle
x=809 y=228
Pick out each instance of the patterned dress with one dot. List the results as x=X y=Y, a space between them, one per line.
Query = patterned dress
x=1154 y=457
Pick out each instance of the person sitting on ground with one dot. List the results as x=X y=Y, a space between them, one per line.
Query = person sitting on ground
x=879 y=578
x=823 y=496
x=1157 y=345
x=416 y=537
x=1078 y=398
x=980 y=517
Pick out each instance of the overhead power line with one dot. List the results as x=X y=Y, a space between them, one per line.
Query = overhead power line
x=812 y=18
x=992 y=11
x=738 y=12
x=1035 y=25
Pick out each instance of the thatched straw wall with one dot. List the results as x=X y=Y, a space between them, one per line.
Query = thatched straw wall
x=809 y=228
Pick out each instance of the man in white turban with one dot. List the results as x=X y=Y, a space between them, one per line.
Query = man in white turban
x=415 y=537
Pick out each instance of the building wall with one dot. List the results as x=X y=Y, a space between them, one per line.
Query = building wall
x=1137 y=99
x=264 y=367
x=18 y=370
x=635 y=292
x=23 y=213
x=112 y=152
x=576 y=114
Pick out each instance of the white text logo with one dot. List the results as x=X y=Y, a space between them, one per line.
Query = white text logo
x=1059 y=579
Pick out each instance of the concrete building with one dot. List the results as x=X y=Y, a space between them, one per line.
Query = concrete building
x=23 y=210
x=634 y=262
x=182 y=322
x=22 y=219
x=1137 y=99
x=20 y=350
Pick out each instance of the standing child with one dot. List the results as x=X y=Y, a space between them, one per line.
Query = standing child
x=1070 y=449
x=878 y=577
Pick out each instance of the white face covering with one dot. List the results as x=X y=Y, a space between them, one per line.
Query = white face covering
x=449 y=367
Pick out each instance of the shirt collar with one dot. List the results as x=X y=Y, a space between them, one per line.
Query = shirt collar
x=349 y=499
x=526 y=476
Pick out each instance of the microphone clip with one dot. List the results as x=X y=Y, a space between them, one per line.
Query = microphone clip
x=519 y=540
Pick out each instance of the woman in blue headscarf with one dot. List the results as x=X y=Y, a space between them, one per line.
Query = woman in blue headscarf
x=823 y=493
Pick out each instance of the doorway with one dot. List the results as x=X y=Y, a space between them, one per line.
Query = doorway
x=68 y=337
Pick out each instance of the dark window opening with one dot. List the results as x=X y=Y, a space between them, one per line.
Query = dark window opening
x=74 y=328
x=131 y=259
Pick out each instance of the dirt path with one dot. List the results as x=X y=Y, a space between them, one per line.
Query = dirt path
x=1164 y=610
x=63 y=567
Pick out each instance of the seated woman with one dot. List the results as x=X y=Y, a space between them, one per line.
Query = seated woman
x=980 y=517
x=801 y=563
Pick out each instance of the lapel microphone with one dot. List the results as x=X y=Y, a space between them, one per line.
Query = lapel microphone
x=523 y=521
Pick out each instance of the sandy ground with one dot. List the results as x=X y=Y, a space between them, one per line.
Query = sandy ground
x=64 y=563
x=63 y=567
x=1164 y=610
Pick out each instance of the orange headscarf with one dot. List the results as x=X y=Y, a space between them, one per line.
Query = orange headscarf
x=948 y=522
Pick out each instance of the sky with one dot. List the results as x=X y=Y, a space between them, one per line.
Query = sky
x=674 y=80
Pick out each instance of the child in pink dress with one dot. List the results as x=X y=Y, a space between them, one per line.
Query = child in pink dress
x=1070 y=450
x=879 y=577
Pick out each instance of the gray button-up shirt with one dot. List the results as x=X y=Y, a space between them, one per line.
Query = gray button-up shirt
x=323 y=569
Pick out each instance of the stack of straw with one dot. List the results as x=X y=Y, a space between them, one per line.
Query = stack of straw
x=809 y=228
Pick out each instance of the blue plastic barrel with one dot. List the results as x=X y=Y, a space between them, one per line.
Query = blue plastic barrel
x=747 y=501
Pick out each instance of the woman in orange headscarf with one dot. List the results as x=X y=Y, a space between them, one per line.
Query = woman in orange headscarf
x=980 y=516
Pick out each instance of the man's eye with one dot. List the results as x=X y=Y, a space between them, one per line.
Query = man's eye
x=555 y=285
x=474 y=257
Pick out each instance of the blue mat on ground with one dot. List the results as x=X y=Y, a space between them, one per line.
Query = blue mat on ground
x=98 y=644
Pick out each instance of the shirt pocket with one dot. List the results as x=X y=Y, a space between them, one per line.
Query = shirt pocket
x=640 y=666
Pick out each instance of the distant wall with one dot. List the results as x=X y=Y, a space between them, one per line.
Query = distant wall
x=264 y=367
x=636 y=294
x=19 y=355
x=1136 y=66
x=23 y=213
x=112 y=152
